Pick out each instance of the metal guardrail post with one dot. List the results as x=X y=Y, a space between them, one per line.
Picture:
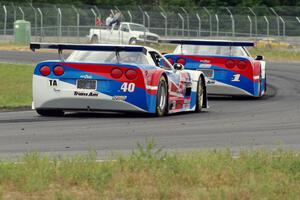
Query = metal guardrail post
x=268 y=26
x=5 y=20
x=232 y=21
x=98 y=12
x=283 y=26
x=130 y=15
x=77 y=20
x=166 y=23
x=217 y=19
x=210 y=20
x=59 y=21
x=41 y=24
x=95 y=16
x=250 y=26
x=187 y=20
x=182 y=24
x=199 y=24
x=148 y=20
x=255 y=20
x=23 y=15
x=15 y=13
x=140 y=8
x=35 y=20
x=277 y=19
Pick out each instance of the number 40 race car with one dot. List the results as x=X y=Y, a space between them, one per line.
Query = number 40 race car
x=228 y=66
x=120 y=78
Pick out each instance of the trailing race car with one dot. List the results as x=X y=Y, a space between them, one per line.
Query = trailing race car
x=228 y=66
x=114 y=78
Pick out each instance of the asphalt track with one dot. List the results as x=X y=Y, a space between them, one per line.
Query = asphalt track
x=235 y=123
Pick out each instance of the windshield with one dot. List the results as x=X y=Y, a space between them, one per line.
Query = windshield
x=210 y=50
x=108 y=57
x=135 y=27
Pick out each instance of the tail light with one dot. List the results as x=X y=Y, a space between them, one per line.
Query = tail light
x=45 y=70
x=58 y=70
x=131 y=74
x=180 y=61
x=116 y=73
x=171 y=61
x=242 y=65
x=230 y=64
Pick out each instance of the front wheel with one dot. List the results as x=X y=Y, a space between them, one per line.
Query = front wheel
x=132 y=41
x=162 y=98
x=200 y=95
x=94 y=39
x=48 y=112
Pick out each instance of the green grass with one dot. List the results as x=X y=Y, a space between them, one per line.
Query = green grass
x=15 y=85
x=149 y=174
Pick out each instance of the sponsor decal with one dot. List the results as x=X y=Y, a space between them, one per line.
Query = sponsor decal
x=204 y=61
x=203 y=65
x=210 y=81
x=86 y=94
x=236 y=78
x=119 y=98
x=53 y=83
x=85 y=76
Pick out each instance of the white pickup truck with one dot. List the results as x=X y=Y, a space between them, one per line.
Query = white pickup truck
x=126 y=33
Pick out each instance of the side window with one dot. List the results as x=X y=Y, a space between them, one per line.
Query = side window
x=125 y=28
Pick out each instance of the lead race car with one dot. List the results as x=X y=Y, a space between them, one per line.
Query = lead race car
x=228 y=66
x=114 y=78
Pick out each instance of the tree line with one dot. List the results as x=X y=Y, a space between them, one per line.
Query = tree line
x=185 y=3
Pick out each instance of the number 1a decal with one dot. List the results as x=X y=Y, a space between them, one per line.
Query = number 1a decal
x=128 y=87
x=236 y=78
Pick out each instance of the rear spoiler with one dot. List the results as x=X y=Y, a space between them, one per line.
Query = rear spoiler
x=87 y=47
x=209 y=42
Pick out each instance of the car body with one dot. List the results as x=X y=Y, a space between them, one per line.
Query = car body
x=126 y=33
x=122 y=78
x=228 y=66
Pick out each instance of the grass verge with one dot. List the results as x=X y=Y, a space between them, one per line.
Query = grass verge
x=149 y=174
x=15 y=85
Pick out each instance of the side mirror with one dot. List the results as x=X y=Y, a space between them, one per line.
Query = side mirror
x=259 y=57
x=178 y=66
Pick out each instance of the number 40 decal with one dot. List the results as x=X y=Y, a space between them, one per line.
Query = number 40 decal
x=236 y=78
x=128 y=87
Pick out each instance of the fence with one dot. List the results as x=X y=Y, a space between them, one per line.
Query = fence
x=69 y=21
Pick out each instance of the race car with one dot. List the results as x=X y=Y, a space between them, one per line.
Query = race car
x=228 y=66
x=121 y=78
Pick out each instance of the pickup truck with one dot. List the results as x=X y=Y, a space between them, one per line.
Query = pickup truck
x=126 y=33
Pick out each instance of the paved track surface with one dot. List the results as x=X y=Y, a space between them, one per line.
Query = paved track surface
x=270 y=122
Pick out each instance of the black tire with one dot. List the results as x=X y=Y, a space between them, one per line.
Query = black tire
x=162 y=98
x=46 y=112
x=200 y=95
x=132 y=41
x=94 y=39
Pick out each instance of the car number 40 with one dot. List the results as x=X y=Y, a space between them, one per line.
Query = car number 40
x=128 y=87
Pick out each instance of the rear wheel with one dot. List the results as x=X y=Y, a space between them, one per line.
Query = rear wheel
x=162 y=98
x=200 y=95
x=48 y=112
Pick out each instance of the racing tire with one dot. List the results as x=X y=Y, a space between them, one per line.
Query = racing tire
x=132 y=41
x=52 y=113
x=200 y=95
x=162 y=98
x=94 y=39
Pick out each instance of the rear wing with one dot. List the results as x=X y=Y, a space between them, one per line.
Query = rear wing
x=209 y=42
x=88 y=47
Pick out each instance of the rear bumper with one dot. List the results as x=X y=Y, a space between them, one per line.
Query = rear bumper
x=218 y=88
x=88 y=105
